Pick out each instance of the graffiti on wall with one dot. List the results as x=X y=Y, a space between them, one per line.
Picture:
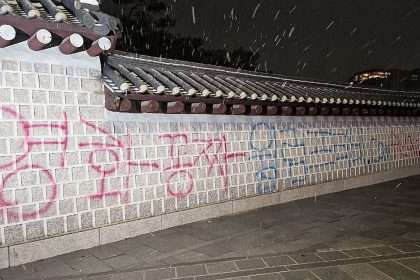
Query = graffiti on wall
x=108 y=155
x=288 y=151
x=301 y=150
x=263 y=148
x=211 y=150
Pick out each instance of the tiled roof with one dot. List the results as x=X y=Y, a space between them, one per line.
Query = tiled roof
x=70 y=24
x=146 y=78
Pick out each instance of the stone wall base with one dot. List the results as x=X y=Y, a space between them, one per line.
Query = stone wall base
x=15 y=255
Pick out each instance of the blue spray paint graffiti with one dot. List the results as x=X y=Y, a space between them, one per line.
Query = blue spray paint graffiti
x=263 y=149
x=303 y=151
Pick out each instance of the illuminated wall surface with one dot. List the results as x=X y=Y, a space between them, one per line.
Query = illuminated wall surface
x=66 y=165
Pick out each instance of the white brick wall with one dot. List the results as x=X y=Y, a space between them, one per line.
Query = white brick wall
x=65 y=168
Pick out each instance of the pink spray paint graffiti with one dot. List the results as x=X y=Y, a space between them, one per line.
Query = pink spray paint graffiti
x=218 y=160
x=112 y=146
x=18 y=163
x=117 y=161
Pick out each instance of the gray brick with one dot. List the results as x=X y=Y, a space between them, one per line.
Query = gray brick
x=35 y=230
x=72 y=223
x=5 y=95
x=92 y=113
x=51 y=209
x=170 y=205
x=10 y=65
x=74 y=83
x=26 y=67
x=130 y=212
x=66 y=206
x=13 y=215
x=101 y=217
x=86 y=220
x=145 y=209
x=69 y=71
x=29 y=80
x=57 y=69
x=213 y=196
x=82 y=72
x=39 y=96
x=12 y=79
x=91 y=85
x=13 y=234
x=55 y=226
x=182 y=203
x=97 y=98
x=96 y=203
x=157 y=207
x=45 y=81
x=59 y=82
x=95 y=73
x=116 y=214
x=42 y=68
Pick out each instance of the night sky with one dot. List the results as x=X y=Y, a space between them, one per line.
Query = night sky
x=317 y=39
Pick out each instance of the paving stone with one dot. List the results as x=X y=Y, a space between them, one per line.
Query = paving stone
x=221 y=267
x=326 y=263
x=278 y=260
x=250 y=264
x=298 y=275
x=159 y=274
x=271 y=276
x=396 y=271
x=54 y=268
x=121 y=261
x=87 y=264
x=305 y=258
x=413 y=263
x=407 y=248
x=106 y=251
x=359 y=253
x=331 y=273
x=241 y=273
x=134 y=275
x=13 y=234
x=383 y=250
x=213 y=250
x=364 y=271
x=332 y=255
x=190 y=270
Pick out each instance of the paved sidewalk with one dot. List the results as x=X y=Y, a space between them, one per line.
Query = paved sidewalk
x=367 y=233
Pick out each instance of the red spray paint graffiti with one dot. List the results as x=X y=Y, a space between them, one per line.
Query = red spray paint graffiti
x=112 y=146
x=118 y=151
x=218 y=160
x=29 y=144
